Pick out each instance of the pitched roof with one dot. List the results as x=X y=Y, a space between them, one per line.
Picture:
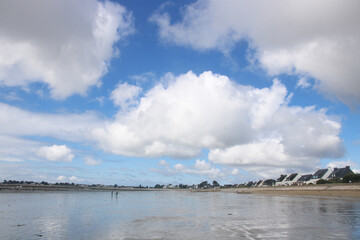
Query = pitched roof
x=269 y=182
x=249 y=184
x=282 y=177
x=305 y=178
x=340 y=172
x=291 y=177
x=320 y=173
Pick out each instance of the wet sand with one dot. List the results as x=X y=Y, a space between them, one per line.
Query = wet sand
x=318 y=190
x=176 y=215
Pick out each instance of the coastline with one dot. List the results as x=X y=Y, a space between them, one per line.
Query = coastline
x=331 y=190
x=6 y=188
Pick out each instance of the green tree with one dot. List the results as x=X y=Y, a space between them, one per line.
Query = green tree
x=322 y=181
x=183 y=186
x=204 y=184
x=352 y=177
x=216 y=184
x=44 y=183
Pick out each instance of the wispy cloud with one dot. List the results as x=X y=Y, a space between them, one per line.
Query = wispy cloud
x=91 y=161
x=201 y=168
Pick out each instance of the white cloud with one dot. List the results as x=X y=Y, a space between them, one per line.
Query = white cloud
x=60 y=153
x=74 y=179
x=11 y=96
x=91 y=161
x=62 y=178
x=73 y=127
x=100 y=100
x=68 y=46
x=178 y=120
x=125 y=95
x=241 y=126
x=144 y=77
x=303 y=82
x=179 y=167
x=321 y=39
x=342 y=164
x=235 y=171
x=266 y=172
x=163 y=163
x=201 y=167
x=266 y=158
x=14 y=149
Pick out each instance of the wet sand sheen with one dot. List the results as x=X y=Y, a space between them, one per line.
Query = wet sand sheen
x=313 y=193
x=176 y=215
x=325 y=190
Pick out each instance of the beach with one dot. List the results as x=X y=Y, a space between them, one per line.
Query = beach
x=352 y=190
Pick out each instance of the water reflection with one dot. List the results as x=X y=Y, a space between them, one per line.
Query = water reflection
x=175 y=215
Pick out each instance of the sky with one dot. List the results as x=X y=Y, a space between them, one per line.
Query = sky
x=177 y=92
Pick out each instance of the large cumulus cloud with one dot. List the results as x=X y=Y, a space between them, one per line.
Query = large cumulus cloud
x=240 y=125
x=65 y=44
x=309 y=38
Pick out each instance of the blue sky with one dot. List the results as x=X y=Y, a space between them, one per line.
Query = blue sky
x=146 y=92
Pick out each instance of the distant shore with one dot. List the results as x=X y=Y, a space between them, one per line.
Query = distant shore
x=54 y=188
x=335 y=190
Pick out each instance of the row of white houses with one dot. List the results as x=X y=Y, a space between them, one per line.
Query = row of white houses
x=299 y=179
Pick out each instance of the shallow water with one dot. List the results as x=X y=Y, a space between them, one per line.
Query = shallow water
x=175 y=215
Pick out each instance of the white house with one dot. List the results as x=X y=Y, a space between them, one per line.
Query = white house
x=292 y=178
x=320 y=174
x=281 y=180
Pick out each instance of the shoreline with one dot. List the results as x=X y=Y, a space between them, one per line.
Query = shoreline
x=331 y=190
x=317 y=190
x=9 y=188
